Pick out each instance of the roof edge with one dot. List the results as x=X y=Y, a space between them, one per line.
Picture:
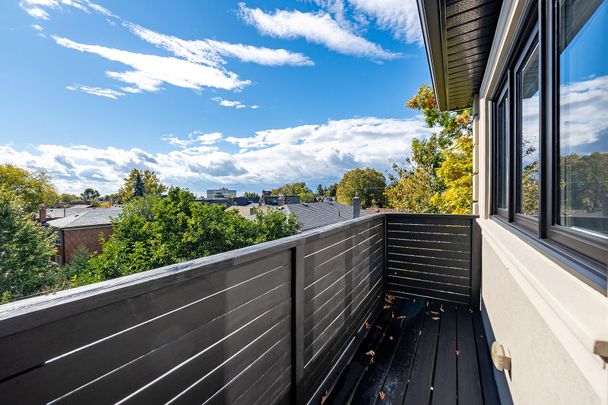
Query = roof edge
x=431 y=17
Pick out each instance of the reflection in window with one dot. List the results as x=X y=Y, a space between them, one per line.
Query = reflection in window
x=502 y=152
x=583 y=138
x=529 y=108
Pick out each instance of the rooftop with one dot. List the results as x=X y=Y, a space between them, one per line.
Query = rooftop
x=314 y=215
x=87 y=217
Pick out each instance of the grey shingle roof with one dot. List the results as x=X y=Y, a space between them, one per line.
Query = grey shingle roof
x=314 y=215
x=90 y=217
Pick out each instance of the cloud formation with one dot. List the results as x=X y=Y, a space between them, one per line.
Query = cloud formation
x=400 y=17
x=151 y=71
x=39 y=8
x=233 y=103
x=97 y=91
x=318 y=28
x=209 y=51
x=313 y=153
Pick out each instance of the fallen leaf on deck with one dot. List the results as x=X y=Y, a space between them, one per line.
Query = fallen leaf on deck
x=390 y=299
x=457 y=352
x=434 y=312
x=371 y=353
x=387 y=306
x=367 y=325
x=401 y=317
x=324 y=397
x=390 y=338
x=381 y=395
x=435 y=318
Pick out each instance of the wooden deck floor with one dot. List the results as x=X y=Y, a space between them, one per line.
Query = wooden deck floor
x=418 y=353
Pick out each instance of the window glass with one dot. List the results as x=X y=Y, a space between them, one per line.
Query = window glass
x=528 y=135
x=583 y=111
x=502 y=151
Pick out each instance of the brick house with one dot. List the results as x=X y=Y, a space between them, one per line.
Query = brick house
x=82 y=229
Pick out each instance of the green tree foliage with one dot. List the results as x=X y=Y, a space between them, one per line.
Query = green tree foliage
x=320 y=190
x=331 y=190
x=26 y=249
x=152 y=232
x=250 y=194
x=33 y=189
x=369 y=184
x=140 y=183
x=89 y=194
x=438 y=175
x=78 y=262
x=299 y=189
x=68 y=198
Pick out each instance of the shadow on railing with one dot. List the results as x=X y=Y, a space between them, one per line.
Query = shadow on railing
x=272 y=323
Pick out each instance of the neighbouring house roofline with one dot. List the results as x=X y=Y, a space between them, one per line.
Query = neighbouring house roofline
x=458 y=36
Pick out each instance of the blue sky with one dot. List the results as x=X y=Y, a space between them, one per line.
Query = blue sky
x=207 y=93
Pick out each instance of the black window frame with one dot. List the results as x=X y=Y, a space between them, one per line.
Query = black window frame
x=499 y=158
x=582 y=254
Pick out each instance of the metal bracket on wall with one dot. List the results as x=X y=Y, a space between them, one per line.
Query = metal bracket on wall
x=601 y=349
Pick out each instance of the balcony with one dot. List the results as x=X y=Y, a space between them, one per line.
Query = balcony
x=383 y=306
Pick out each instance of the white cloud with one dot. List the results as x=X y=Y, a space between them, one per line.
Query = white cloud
x=97 y=91
x=151 y=71
x=319 y=28
x=194 y=138
x=234 y=104
x=313 y=153
x=208 y=51
x=398 y=16
x=36 y=8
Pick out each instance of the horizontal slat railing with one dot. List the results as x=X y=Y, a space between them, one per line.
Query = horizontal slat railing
x=433 y=256
x=266 y=324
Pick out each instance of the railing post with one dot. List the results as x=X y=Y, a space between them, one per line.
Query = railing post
x=475 y=265
x=297 y=325
x=385 y=241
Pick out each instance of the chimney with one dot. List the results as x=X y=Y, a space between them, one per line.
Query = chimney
x=356 y=207
x=42 y=213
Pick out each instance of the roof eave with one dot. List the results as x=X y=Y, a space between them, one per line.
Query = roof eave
x=431 y=17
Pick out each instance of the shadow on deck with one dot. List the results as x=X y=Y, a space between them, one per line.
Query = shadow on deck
x=420 y=352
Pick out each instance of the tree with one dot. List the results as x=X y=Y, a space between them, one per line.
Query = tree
x=438 y=176
x=26 y=249
x=68 y=198
x=139 y=190
x=140 y=183
x=320 y=190
x=32 y=189
x=331 y=190
x=152 y=232
x=300 y=189
x=369 y=184
x=89 y=194
x=250 y=194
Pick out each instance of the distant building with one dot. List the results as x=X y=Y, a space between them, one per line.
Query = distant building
x=81 y=229
x=279 y=200
x=221 y=193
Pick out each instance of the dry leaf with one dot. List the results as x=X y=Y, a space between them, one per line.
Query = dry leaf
x=367 y=325
x=401 y=317
x=435 y=318
x=381 y=395
x=434 y=312
x=389 y=298
x=379 y=327
x=390 y=338
x=457 y=352
x=441 y=308
x=387 y=306
x=371 y=360
x=371 y=353
x=324 y=397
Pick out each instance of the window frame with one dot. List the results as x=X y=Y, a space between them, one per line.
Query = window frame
x=503 y=96
x=584 y=255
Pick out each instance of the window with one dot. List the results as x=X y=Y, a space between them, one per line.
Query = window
x=528 y=111
x=550 y=135
x=502 y=154
x=583 y=117
x=58 y=238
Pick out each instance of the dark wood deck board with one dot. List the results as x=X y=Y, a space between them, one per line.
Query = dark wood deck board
x=438 y=355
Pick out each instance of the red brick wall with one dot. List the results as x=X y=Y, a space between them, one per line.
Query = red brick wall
x=89 y=237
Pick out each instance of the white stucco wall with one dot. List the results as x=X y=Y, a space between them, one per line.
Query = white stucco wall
x=546 y=318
